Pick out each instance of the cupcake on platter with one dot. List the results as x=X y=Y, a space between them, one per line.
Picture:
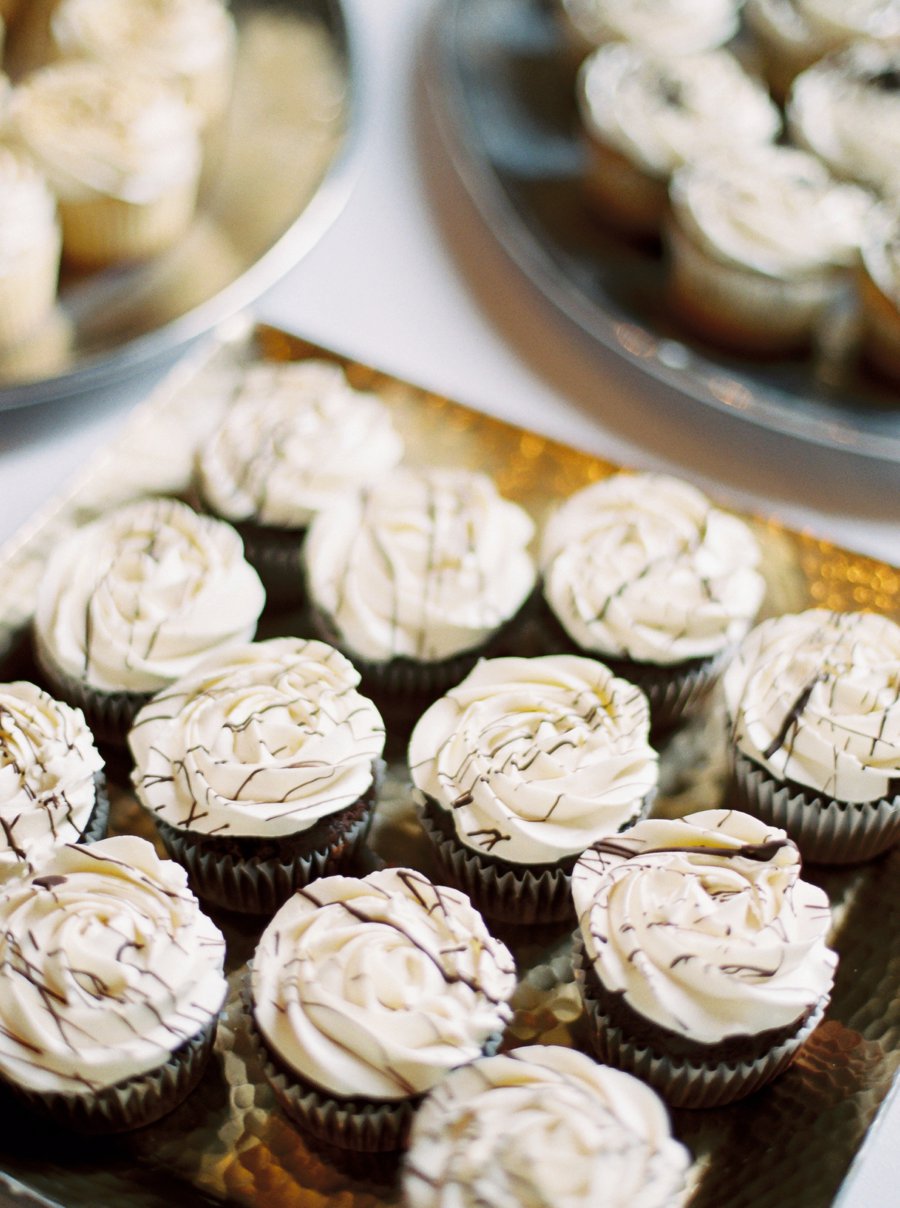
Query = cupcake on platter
x=702 y=956
x=544 y=1126
x=642 y=572
x=671 y=27
x=135 y=599
x=29 y=248
x=260 y=768
x=521 y=767
x=365 y=993
x=111 y=984
x=296 y=438
x=813 y=702
x=879 y=288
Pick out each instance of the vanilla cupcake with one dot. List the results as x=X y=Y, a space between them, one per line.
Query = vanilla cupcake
x=813 y=703
x=547 y=1127
x=644 y=114
x=702 y=959
x=296 y=438
x=111 y=986
x=29 y=248
x=260 y=768
x=644 y=573
x=761 y=244
x=365 y=993
x=135 y=599
x=671 y=27
x=879 y=288
x=52 y=788
x=120 y=151
x=521 y=767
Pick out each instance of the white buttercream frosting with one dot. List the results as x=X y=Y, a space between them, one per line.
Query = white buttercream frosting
x=378 y=986
x=536 y=757
x=425 y=564
x=812 y=28
x=27 y=210
x=263 y=739
x=138 y=597
x=667 y=26
x=108 y=966
x=772 y=209
x=881 y=252
x=661 y=111
x=814 y=698
x=547 y=1127
x=96 y=130
x=643 y=566
x=704 y=925
x=296 y=438
x=48 y=762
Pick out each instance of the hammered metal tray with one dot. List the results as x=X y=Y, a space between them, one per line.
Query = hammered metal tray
x=789 y=1145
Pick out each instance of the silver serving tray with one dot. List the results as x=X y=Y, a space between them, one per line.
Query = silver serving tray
x=278 y=172
x=502 y=90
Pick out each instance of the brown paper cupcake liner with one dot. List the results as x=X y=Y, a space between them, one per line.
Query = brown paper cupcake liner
x=825 y=830
x=98 y=822
x=276 y=554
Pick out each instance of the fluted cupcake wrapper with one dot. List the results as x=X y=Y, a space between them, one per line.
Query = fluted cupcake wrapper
x=681 y=1081
x=825 y=830
x=108 y=714
x=98 y=822
x=276 y=554
x=133 y=1102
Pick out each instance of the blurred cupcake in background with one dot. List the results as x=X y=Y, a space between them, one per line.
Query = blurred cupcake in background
x=30 y=244
x=672 y=27
x=879 y=285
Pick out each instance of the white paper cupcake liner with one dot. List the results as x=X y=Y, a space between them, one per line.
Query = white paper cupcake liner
x=825 y=830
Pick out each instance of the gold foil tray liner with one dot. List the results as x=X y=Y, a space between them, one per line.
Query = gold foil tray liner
x=790 y=1144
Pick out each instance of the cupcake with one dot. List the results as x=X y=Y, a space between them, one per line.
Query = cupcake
x=112 y=983
x=261 y=768
x=544 y=1126
x=813 y=703
x=52 y=788
x=644 y=573
x=364 y=993
x=879 y=288
x=418 y=575
x=296 y=438
x=120 y=151
x=520 y=768
x=135 y=599
x=671 y=27
x=702 y=955
x=761 y=246
x=29 y=249
x=644 y=114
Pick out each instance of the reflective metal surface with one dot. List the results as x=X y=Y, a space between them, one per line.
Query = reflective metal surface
x=276 y=174
x=503 y=95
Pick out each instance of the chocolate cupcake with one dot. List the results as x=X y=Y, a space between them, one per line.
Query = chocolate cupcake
x=702 y=955
x=365 y=993
x=813 y=702
x=521 y=767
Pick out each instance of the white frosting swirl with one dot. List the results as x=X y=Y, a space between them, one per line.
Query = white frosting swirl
x=108 y=967
x=138 y=597
x=669 y=27
x=704 y=925
x=643 y=566
x=426 y=564
x=48 y=762
x=814 y=698
x=772 y=209
x=296 y=438
x=536 y=757
x=881 y=252
x=660 y=112
x=95 y=130
x=27 y=210
x=377 y=987
x=263 y=739
x=544 y=1126
x=812 y=28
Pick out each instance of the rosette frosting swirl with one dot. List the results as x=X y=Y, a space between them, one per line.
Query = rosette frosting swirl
x=378 y=986
x=138 y=597
x=296 y=438
x=107 y=966
x=704 y=925
x=536 y=758
x=669 y=26
x=48 y=762
x=544 y=1126
x=643 y=565
x=27 y=210
x=424 y=565
x=262 y=739
x=814 y=698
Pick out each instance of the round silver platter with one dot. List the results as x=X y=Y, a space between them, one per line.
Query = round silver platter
x=277 y=173
x=502 y=89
